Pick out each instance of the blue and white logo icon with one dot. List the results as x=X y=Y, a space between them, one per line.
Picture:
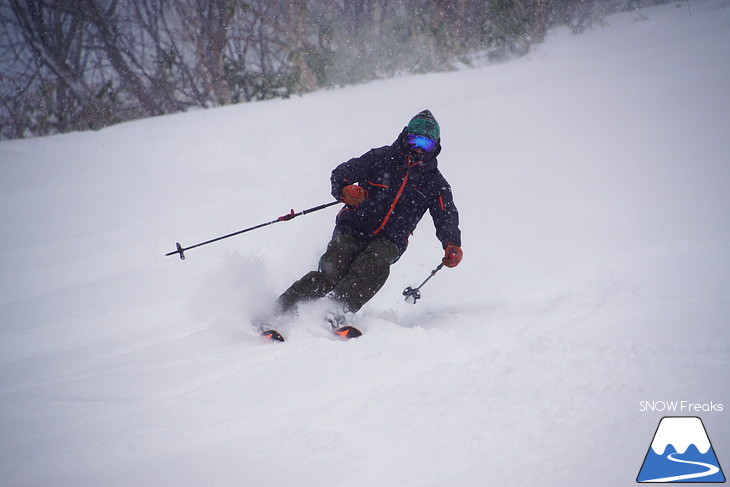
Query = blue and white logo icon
x=681 y=452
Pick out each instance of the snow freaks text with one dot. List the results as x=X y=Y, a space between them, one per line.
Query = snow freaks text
x=679 y=407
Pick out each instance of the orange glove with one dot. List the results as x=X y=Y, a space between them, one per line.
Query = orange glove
x=353 y=195
x=452 y=255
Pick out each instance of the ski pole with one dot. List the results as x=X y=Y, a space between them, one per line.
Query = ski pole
x=181 y=251
x=415 y=294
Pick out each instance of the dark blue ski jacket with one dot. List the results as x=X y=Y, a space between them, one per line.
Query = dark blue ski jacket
x=399 y=189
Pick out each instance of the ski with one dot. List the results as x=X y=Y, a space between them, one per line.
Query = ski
x=338 y=327
x=333 y=324
x=272 y=335
x=347 y=331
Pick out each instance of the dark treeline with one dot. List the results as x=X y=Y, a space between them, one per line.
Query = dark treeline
x=84 y=64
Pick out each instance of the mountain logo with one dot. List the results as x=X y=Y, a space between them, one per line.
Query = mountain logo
x=681 y=452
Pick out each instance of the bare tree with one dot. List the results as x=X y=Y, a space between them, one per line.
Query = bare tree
x=48 y=69
x=79 y=64
x=205 y=26
x=120 y=51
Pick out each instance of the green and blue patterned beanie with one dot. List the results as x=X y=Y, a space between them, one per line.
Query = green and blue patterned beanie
x=424 y=124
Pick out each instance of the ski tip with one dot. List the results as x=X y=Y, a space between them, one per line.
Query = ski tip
x=272 y=335
x=347 y=332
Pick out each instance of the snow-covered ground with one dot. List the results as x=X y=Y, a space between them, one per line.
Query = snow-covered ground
x=593 y=181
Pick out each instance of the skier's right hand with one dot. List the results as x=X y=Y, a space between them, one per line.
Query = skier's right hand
x=452 y=255
x=353 y=194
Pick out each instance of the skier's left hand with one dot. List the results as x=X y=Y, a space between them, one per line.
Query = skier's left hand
x=452 y=255
x=353 y=194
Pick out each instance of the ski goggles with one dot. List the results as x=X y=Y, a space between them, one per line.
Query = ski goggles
x=419 y=142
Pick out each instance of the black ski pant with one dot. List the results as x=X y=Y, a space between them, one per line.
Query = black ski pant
x=352 y=269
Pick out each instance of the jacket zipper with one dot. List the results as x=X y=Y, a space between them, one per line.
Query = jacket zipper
x=395 y=200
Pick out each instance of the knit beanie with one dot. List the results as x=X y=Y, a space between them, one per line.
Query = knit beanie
x=424 y=124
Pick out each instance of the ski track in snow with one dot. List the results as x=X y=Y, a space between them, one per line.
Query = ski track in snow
x=711 y=470
x=591 y=178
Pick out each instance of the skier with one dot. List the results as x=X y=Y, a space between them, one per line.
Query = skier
x=386 y=192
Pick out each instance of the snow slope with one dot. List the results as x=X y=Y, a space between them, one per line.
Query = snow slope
x=592 y=179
